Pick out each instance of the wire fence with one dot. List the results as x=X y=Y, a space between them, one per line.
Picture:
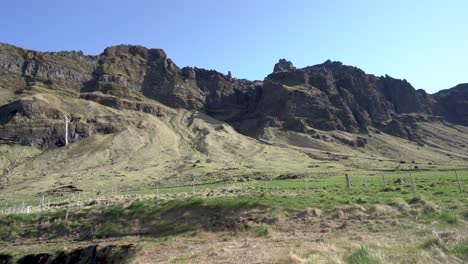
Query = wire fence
x=413 y=183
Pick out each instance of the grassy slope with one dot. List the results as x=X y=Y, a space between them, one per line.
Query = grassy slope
x=182 y=145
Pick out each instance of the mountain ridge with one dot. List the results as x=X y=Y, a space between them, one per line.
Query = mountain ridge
x=337 y=96
x=131 y=115
x=81 y=53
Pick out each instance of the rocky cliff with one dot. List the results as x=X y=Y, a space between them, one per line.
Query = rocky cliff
x=452 y=104
x=327 y=97
x=333 y=96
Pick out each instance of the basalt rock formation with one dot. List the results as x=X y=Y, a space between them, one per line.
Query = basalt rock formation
x=453 y=104
x=333 y=96
x=327 y=97
x=91 y=254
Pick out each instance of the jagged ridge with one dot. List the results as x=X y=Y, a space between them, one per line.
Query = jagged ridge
x=328 y=96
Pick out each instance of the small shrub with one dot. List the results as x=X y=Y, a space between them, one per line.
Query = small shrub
x=115 y=211
x=415 y=200
x=461 y=250
x=388 y=189
x=361 y=200
x=137 y=207
x=195 y=233
x=449 y=218
x=364 y=255
x=435 y=243
x=262 y=231
x=160 y=240
x=110 y=229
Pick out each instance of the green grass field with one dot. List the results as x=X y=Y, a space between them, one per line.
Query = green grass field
x=376 y=206
x=320 y=191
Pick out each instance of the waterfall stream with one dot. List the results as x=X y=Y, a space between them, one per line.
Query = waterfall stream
x=66 y=130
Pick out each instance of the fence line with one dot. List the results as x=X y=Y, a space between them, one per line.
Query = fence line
x=106 y=196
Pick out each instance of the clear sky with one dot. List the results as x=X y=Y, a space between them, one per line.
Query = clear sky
x=423 y=41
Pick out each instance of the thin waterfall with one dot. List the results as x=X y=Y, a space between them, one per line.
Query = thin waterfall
x=66 y=130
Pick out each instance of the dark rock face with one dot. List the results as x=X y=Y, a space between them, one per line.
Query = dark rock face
x=283 y=65
x=226 y=98
x=404 y=98
x=37 y=258
x=37 y=123
x=152 y=73
x=148 y=71
x=452 y=104
x=30 y=122
x=329 y=96
x=333 y=96
x=91 y=254
x=6 y=259
x=69 y=66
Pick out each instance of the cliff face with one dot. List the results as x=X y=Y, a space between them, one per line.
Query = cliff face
x=333 y=96
x=67 y=66
x=328 y=96
x=124 y=68
x=452 y=104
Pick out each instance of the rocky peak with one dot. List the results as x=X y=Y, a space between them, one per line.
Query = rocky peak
x=452 y=104
x=283 y=65
x=334 y=96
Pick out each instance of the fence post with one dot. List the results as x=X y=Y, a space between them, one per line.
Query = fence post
x=79 y=198
x=348 y=183
x=459 y=183
x=412 y=183
x=384 y=181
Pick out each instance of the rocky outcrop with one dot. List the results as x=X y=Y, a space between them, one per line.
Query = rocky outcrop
x=34 y=122
x=226 y=98
x=329 y=96
x=151 y=72
x=124 y=104
x=452 y=104
x=283 y=65
x=333 y=96
x=91 y=254
x=148 y=71
x=403 y=97
x=67 y=66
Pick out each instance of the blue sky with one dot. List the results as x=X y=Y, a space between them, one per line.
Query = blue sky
x=425 y=42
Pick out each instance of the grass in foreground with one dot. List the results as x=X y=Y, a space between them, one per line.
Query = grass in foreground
x=435 y=205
